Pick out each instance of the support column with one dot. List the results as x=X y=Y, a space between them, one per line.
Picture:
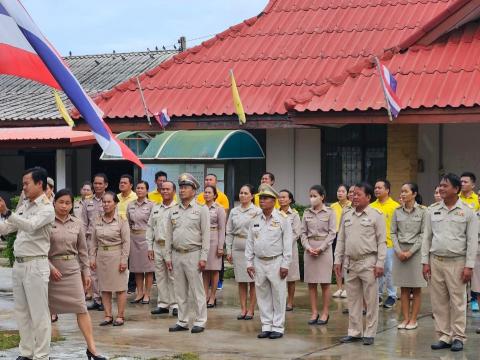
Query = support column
x=60 y=167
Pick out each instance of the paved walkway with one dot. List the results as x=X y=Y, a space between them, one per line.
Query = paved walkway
x=146 y=337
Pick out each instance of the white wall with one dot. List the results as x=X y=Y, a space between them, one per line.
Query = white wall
x=460 y=153
x=294 y=156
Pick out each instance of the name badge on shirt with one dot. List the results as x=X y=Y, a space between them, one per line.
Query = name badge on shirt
x=275 y=224
x=366 y=221
x=459 y=213
x=175 y=213
x=155 y=212
x=437 y=213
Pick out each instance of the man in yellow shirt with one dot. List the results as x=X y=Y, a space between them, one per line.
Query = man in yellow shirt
x=467 y=194
x=387 y=206
x=126 y=195
x=269 y=179
x=222 y=199
x=155 y=195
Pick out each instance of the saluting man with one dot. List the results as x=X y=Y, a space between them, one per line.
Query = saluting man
x=187 y=244
x=269 y=253
x=31 y=271
x=362 y=248
x=449 y=251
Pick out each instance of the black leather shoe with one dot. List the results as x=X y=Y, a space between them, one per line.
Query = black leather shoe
x=440 y=345
x=275 y=335
x=457 y=345
x=350 y=339
x=23 y=358
x=368 y=340
x=313 y=321
x=323 y=322
x=264 y=334
x=175 y=312
x=159 y=310
x=95 y=357
x=177 y=328
x=197 y=329
x=93 y=306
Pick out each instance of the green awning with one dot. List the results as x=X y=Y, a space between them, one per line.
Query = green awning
x=196 y=145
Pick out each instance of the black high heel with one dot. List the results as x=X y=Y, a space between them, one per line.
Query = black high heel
x=97 y=357
x=209 y=306
x=313 y=321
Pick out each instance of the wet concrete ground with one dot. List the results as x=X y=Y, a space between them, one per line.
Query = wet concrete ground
x=146 y=337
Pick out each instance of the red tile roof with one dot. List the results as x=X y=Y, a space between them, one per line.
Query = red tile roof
x=445 y=73
x=40 y=134
x=293 y=47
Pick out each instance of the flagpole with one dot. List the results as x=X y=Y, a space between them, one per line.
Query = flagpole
x=143 y=101
x=382 y=84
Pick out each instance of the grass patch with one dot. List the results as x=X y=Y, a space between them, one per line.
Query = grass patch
x=184 y=356
x=228 y=273
x=10 y=339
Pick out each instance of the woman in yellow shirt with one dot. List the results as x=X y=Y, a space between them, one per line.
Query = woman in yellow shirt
x=339 y=207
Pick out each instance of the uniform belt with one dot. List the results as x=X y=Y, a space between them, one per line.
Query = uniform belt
x=448 y=258
x=109 y=247
x=185 y=251
x=160 y=242
x=138 y=232
x=63 y=257
x=239 y=236
x=23 y=259
x=360 y=257
x=213 y=229
x=317 y=238
x=267 y=258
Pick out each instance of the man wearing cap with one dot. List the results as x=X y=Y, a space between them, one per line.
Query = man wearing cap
x=187 y=241
x=269 y=252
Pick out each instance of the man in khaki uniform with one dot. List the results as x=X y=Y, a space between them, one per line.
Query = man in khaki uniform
x=449 y=251
x=33 y=222
x=269 y=252
x=92 y=209
x=156 y=250
x=362 y=248
x=187 y=243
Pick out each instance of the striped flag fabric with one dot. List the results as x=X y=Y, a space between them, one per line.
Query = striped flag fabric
x=162 y=118
x=25 y=52
x=389 y=84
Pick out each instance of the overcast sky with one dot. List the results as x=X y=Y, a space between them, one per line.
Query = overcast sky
x=100 y=26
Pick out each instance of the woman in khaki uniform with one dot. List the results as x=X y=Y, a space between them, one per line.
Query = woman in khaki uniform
x=218 y=218
x=407 y=234
x=69 y=268
x=318 y=232
x=138 y=213
x=86 y=192
x=109 y=254
x=286 y=200
x=238 y=226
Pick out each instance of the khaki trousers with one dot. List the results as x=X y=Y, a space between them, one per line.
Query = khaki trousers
x=165 y=290
x=361 y=284
x=97 y=296
x=449 y=299
x=271 y=293
x=30 y=293
x=187 y=279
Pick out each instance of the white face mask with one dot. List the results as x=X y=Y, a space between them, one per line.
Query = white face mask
x=315 y=201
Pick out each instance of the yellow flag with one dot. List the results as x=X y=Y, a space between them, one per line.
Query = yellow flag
x=237 y=103
x=62 y=109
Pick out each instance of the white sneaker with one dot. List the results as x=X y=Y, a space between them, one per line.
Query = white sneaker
x=337 y=293
x=411 y=326
x=344 y=294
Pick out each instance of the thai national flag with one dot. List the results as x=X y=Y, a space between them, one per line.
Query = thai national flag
x=390 y=89
x=25 y=52
x=162 y=118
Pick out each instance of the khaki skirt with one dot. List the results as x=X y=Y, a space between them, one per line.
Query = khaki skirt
x=408 y=274
x=138 y=261
x=67 y=296
x=294 y=269
x=318 y=269
x=240 y=260
x=214 y=263
x=108 y=274
x=476 y=276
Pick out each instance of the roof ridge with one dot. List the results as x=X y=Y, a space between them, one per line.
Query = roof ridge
x=129 y=53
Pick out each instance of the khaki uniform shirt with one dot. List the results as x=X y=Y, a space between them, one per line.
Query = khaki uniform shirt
x=92 y=209
x=407 y=228
x=239 y=222
x=115 y=232
x=78 y=208
x=362 y=234
x=157 y=225
x=68 y=238
x=218 y=218
x=188 y=228
x=269 y=237
x=319 y=223
x=138 y=214
x=33 y=222
x=295 y=222
x=450 y=233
